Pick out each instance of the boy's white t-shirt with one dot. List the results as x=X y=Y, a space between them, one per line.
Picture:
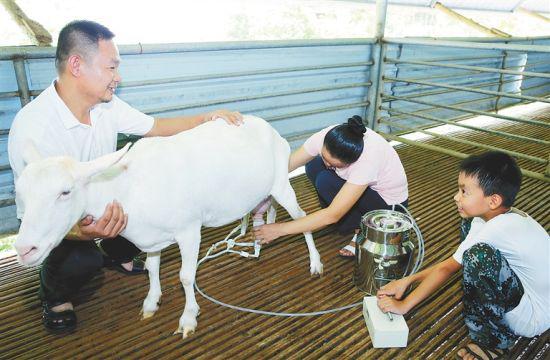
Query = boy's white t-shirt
x=526 y=246
x=55 y=131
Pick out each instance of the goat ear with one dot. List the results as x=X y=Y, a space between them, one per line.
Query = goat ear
x=30 y=153
x=91 y=168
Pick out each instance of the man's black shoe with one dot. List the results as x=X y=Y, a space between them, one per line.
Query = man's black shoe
x=57 y=322
x=138 y=266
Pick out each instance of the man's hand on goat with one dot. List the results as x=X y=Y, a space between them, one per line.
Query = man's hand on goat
x=231 y=117
x=267 y=233
x=109 y=225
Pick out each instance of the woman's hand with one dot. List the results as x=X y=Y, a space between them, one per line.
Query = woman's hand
x=267 y=233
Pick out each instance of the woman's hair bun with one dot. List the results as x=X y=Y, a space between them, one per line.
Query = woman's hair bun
x=356 y=125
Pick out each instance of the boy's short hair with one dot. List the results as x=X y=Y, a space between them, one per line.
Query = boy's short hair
x=81 y=37
x=496 y=173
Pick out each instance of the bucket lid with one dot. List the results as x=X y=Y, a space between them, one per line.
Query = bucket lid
x=387 y=221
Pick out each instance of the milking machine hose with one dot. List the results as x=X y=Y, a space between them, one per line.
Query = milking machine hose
x=418 y=263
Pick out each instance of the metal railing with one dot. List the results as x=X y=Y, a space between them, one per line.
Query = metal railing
x=405 y=99
x=493 y=71
x=347 y=91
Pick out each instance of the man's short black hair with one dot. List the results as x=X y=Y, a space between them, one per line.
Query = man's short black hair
x=496 y=173
x=81 y=37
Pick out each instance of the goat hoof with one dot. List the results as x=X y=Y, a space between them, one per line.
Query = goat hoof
x=185 y=332
x=316 y=269
x=149 y=308
x=146 y=315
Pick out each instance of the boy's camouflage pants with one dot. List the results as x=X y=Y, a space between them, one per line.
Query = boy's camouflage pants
x=491 y=289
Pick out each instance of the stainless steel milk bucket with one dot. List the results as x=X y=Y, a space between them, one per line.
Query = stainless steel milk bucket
x=384 y=250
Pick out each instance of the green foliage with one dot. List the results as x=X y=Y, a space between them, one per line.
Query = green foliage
x=6 y=242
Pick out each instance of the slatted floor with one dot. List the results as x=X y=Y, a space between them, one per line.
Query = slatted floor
x=108 y=308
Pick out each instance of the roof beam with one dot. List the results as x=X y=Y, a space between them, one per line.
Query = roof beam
x=518 y=4
x=36 y=32
x=470 y=22
x=533 y=14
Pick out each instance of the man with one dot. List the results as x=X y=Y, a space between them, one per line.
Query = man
x=79 y=115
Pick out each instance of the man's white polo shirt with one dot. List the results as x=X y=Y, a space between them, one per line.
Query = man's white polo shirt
x=55 y=131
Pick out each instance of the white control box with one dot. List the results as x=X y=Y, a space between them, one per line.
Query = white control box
x=384 y=333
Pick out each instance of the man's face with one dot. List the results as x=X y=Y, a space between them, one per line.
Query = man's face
x=470 y=199
x=100 y=72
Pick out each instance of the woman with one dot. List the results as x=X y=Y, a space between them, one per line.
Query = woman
x=354 y=171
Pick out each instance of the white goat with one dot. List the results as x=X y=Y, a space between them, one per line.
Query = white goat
x=169 y=187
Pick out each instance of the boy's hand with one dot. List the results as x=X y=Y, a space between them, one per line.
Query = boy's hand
x=395 y=288
x=389 y=304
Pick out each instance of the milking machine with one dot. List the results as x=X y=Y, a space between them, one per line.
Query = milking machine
x=385 y=251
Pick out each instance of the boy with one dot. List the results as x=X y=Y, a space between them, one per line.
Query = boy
x=505 y=257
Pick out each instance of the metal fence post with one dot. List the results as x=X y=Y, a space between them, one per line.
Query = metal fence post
x=22 y=82
x=378 y=54
x=501 y=78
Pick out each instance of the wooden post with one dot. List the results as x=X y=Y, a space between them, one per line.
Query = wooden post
x=470 y=22
x=36 y=32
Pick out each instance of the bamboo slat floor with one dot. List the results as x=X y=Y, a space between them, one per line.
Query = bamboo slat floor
x=108 y=308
